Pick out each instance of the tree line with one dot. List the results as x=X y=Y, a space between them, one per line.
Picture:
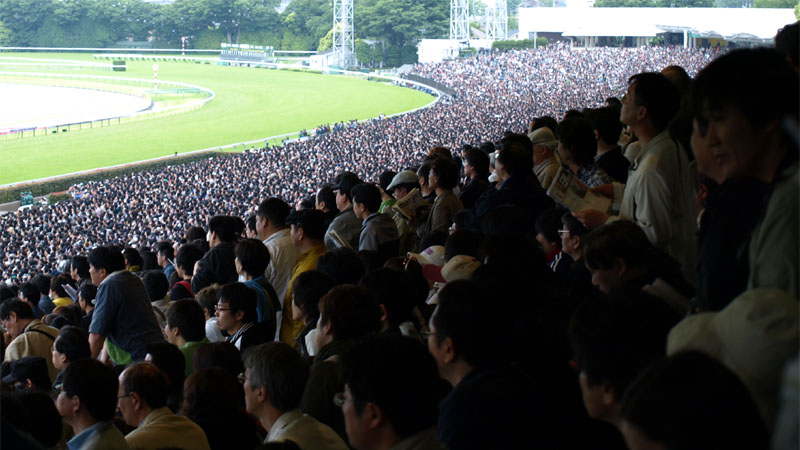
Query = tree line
x=388 y=29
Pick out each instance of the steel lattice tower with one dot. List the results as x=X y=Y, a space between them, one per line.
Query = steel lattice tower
x=343 y=36
x=497 y=21
x=459 y=20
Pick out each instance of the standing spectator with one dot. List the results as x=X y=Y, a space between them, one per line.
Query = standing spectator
x=345 y=228
x=217 y=264
x=123 y=312
x=29 y=293
x=379 y=239
x=308 y=232
x=252 y=259
x=43 y=283
x=164 y=254
x=275 y=233
x=443 y=178
x=659 y=192
x=607 y=127
x=545 y=161
x=79 y=270
x=187 y=257
x=577 y=148
x=476 y=169
x=208 y=301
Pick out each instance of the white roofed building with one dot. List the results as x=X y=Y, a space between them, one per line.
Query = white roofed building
x=637 y=26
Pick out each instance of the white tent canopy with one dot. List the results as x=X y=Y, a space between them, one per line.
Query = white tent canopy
x=733 y=24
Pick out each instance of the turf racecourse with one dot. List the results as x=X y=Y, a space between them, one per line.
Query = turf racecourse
x=250 y=104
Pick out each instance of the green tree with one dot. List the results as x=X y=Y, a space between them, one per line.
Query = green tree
x=23 y=18
x=363 y=53
x=5 y=35
x=326 y=42
x=774 y=3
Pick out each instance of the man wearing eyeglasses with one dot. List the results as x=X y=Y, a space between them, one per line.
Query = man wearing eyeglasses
x=274 y=379
x=142 y=400
x=236 y=315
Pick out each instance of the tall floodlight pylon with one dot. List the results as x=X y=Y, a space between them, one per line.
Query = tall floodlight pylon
x=343 y=37
x=497 y=21
x=459 y=20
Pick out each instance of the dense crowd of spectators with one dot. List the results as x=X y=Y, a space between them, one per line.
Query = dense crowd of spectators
x=497 y=92
x=505 y=269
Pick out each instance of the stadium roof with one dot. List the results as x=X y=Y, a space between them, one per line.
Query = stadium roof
x=733 y=24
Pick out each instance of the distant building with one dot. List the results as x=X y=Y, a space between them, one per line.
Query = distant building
x=634 y=27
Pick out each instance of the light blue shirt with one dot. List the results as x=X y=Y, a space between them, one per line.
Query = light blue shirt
x=100 y=436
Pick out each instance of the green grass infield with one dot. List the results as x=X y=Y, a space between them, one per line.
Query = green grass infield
x=250 y=104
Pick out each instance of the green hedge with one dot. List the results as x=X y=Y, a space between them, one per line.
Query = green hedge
x=47 y=187
x=523 y=43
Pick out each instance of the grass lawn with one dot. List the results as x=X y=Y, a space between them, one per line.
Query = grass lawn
x=250 y=104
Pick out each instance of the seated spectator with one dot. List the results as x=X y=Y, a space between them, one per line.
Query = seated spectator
x=483 y=382
x=143 y=391
x=29 y=372
x=86 y=296
x=217 y=265
x=379 y=239
x=755 y=336
x=236 y=315
x=252 y=260
x=577 y=148
x=223 y=355
x=185 y=328
x=384 y=179
x=58 y=293
x=132 y=258
x=345 y=314
x=308 y=288
x=157 y=287
x=343 y=265
x=79 y=270
x=187 y=257
x=208 y=301
x=572 y=243
x=123 y=312
x=213 y=400
x=344 y=230
x=545 y=159
x=30 y=337
x=165 y=252
x=274 y=378
x=622 y=259
x=42 y=281
x=607 y=127
x=325 y=201
x=392 y=390
x=393 y=291
x=613 y=341
x=547 y=225
x=87 y=402
x=29 y=293
x=46 y=420
x=170 y=361
x=70 y=345
x=690 y=400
